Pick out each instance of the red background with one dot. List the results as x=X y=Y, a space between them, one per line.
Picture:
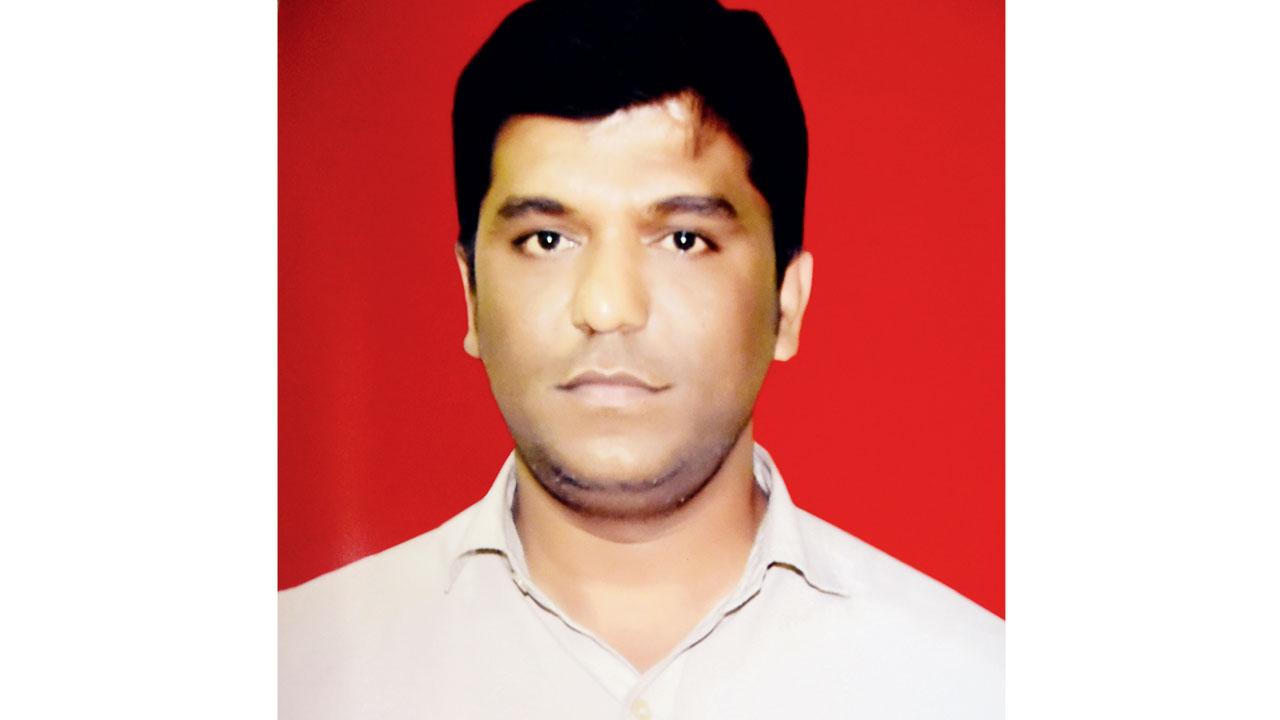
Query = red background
x=890 y=421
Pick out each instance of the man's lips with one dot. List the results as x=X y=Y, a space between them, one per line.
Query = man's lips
x=611 y=389
x=621 y=379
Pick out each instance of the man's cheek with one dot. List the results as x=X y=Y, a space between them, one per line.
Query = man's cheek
x=498 y=322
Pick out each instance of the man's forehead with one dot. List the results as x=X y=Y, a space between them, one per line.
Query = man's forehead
x=639 y=157
x=678 y=122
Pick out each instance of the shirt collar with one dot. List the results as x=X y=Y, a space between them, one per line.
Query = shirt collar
x=781 y=540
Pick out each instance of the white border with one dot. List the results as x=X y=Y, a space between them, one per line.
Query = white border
x=1143 y=357
x=137 y=398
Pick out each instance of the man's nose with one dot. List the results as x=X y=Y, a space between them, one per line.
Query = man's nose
x=611 y=293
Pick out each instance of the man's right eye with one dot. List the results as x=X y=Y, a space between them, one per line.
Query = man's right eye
x=542 y=242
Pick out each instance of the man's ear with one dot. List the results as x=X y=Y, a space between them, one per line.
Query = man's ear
x=793 y=298
x=469 y=343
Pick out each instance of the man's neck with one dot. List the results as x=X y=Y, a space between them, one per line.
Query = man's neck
x=667 y=569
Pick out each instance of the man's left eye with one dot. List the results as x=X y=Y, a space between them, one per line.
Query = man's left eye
x=686 y=241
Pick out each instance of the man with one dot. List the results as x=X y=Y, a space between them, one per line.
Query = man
x=630 y=179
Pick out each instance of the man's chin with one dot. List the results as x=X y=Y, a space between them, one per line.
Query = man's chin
x=622 y=480
x=615 y=469
x=635 y=455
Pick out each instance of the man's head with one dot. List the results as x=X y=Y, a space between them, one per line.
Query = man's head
x=630 y=180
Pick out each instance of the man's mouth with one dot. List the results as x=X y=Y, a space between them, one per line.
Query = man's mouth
x=614 y=378
x=611 y=389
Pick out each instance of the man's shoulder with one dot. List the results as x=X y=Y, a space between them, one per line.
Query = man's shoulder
x=415 y=570
x=891 y=594
x=362 y=636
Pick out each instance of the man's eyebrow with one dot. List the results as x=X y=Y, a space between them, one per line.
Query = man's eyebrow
x=696 y=204
x=707 y=205
x=517 y=206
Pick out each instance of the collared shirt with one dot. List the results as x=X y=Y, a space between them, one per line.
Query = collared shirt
x=450 y=625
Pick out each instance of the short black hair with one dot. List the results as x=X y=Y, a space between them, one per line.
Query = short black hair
x=585 y=59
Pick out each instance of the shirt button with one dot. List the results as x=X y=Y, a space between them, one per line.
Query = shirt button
x=640 y=710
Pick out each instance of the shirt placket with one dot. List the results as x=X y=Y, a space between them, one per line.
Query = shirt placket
x=654 y=696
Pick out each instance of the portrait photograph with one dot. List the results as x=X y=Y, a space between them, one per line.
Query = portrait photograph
x=640 y=360
x=567 y=247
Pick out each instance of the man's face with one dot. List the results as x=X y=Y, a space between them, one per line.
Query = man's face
x=636 y=245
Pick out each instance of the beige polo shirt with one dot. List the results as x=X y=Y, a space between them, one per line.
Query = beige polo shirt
x=821 y=625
